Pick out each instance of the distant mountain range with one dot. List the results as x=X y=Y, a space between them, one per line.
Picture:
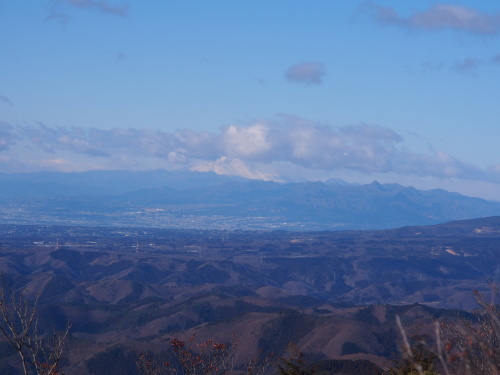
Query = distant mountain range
x=204 y=200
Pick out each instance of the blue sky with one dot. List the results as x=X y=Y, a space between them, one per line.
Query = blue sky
x=285 y=90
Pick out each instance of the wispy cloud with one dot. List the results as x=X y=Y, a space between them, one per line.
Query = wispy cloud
x=120 y=56
x=5 y=100
x=58 y=16
x=103 y=6
x=7 y=136
x=468 y=65
x=495 y=59
x=309 y=73
x=438 y=17
x=262 y=150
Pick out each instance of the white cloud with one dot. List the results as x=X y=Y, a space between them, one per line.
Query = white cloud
x=437 y=17
x=309 y=73
x=250 y=142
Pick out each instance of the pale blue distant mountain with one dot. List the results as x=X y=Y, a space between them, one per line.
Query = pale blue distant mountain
x=184 y=199
x=100 y=183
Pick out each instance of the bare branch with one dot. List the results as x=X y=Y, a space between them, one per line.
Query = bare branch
x=19 y=325
x=407 y=347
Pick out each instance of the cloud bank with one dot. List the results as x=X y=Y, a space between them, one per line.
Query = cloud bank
x=309 y=73
x=263 y=150
x=439 y=16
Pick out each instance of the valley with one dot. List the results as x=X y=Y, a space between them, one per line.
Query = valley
x=335 y=294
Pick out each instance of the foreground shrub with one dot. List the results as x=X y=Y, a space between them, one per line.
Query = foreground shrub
x=471 y=347
x=206 y=358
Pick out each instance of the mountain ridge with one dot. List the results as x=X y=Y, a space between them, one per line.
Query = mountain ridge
x=205 y=200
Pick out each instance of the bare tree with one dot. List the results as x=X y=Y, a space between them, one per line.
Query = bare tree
x=19 y=325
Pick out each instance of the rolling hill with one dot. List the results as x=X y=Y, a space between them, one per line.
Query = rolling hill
x=335 y=294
